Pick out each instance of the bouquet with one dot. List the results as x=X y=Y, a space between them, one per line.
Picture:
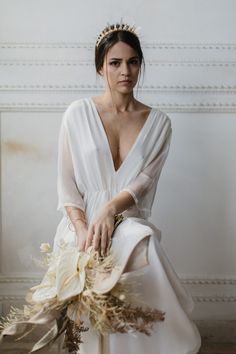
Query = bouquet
x=67 y=295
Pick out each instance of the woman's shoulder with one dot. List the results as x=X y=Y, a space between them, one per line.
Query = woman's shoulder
x=75 y=110
x=76 y=104
x=166 y=118
x=159 y=113
x=162 y=123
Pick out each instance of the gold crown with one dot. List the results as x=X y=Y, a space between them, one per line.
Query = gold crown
x=117 y=27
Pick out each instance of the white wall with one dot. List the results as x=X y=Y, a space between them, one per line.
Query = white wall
x=46 y=61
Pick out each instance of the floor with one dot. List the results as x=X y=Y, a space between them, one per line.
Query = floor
x=218 y=337
x=218 y=348
x=212 y=348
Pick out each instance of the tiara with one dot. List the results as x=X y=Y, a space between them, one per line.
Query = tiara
x=117 y=27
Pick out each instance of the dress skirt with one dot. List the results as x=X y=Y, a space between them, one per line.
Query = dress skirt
x=159 y=287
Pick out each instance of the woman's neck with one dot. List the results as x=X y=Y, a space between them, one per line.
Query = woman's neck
x=119 y=103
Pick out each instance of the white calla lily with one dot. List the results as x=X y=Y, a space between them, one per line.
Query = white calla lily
x=46 y=291
x=70 y=275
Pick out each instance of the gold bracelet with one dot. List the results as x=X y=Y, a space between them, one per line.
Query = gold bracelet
x=76 y=212
x=79 y=219
x=71 y=224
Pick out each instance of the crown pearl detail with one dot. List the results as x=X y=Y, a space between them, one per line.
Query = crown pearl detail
x=117 y=27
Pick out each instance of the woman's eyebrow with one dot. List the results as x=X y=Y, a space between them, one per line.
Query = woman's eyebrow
x=121 y=58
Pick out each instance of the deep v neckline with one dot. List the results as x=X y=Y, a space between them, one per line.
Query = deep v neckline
x=141 y=132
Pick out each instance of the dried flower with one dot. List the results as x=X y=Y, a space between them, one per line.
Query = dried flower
x=122 y=297
x=45 y=247
x=73 y=336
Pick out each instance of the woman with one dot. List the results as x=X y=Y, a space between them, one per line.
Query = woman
x=111 y=151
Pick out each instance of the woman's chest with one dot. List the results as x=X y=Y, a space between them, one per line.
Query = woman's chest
x=110 y=141
x=121 y=133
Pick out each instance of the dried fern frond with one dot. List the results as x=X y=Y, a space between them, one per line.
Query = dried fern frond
x=73 y=337
x=109 y=314
x=15 y=315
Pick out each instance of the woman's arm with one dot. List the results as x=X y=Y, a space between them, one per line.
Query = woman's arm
x=76 y=215
x=86 y=238
x=149 y=175
x=68 y=192
x=102 y=226
x=78 y=220
x=70 y=200
x=121 y=202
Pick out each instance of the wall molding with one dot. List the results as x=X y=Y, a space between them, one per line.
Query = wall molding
x=205 y=290
x=185 y=280
x=26 y=88
x=219 y=107
x=12 y=297
x=209 y=89
x=214 y=299
x=24 y=280
x=145 y=44
x=197 y=299
x=208 y=281
x=164 y=63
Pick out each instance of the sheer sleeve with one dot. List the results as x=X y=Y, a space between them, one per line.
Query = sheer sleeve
x=68 y=193
x=143 y=186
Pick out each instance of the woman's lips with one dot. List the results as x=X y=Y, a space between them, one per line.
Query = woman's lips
x=125 y=82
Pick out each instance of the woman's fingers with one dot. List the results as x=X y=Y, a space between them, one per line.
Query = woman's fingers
x=96 y=237
x=104 y=240
x=99 y=236
x=109 y=236
x=108 y=246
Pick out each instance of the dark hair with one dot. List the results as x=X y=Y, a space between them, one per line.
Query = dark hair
x=112 y=38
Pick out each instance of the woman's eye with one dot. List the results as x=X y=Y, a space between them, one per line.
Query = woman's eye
x=114 y=62
x=135 y=61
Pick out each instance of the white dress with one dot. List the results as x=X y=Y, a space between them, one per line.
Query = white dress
x=87 y=179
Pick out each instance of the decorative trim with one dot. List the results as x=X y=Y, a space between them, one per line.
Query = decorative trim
x=145 y=44
x=182 y=63
x=168 y=107
x=195 y=298
x=190 y=45
x=43 y=45
x=52 y=87
x=184 y=280
x=10 y=280
x=214 y=298
x=225 y=89
x=12 y=297
x=208 y=281
x=45 y=62
x=191 y=63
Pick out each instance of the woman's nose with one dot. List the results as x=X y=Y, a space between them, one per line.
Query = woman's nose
x=125 y=68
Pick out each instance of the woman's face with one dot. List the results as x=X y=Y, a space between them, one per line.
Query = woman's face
x=121 y=63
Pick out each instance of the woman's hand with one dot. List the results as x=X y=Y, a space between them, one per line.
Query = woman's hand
x=100 y=231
